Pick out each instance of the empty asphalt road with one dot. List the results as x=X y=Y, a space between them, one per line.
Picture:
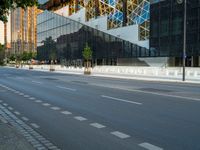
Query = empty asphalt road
x=77 y=112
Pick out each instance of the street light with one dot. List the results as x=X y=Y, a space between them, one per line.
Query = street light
x=184 y=35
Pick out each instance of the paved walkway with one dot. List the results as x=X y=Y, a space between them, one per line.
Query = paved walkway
x=11 y=139
x=147 y=77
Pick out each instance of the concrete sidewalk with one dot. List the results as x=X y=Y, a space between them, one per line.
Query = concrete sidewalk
x=11 y=139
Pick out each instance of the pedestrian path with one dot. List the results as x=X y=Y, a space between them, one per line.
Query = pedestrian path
x=170 y=74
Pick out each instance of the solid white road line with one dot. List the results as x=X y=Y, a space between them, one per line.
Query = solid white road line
x=46 y=104
x=80 y=118
x=34 y=125
x=55 y=108
x=160 y=94
x=37 y=82
x=122 y=100
x=66 y=112
x=97 y=125
x=120 y=134
x=25 y=119
x=62 y=87
x=150 y=146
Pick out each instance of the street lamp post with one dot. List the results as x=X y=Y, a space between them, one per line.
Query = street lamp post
x=184 y=38
x=184 y=35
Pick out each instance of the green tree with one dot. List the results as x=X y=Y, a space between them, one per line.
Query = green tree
x=34 y=55
x=7 y=5
x=24 y=56
x=87 y=55
x=2 y=54
x=12 y=57
x=18 y=58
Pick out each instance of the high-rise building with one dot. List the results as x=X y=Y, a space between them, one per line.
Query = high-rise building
x=5 y=34
x=23 y=30
x=1 y=32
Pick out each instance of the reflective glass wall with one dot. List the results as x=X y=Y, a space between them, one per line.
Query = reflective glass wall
x=63 y=39
x=166 y=28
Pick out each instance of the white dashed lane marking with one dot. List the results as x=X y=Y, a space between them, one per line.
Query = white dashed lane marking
x=38 y=101
x=46 y=104
x=25 y=119
x=119 y=99
x=120 y=134
x=26 y=96
x=35 y=125
x=10 y=108
x=5 y=104
x=20 y=78
x=31 y=98
x=17 y=113
x=3 y=120
x=55 y=108
x=62 y=87
x=150 y=146
x=37 y=82
x=66 y=112
x=80 y=118
x=97 y=125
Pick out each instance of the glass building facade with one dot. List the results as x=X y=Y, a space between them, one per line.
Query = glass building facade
x=118 y=12
x=166 y=30
x=64 y=39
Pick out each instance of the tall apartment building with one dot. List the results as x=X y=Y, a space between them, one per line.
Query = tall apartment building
x=23 y=30
x=1 y=32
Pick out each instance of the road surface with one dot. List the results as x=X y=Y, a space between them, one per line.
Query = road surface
x=77 y=112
